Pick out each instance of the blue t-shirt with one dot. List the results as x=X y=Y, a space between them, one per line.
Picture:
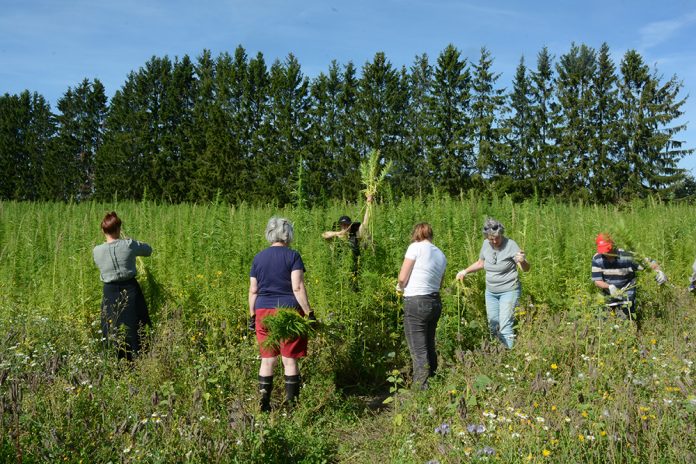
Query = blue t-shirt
x=272 y=268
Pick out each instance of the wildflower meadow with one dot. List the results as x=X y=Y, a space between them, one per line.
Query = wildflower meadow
x=580 y=385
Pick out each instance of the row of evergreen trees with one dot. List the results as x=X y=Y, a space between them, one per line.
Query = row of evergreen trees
x=231 y=126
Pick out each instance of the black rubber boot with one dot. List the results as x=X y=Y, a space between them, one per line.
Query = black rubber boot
x=292 y=389
x=265 y=388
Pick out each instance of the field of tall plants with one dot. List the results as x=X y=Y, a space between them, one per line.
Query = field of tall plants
x=579 y=386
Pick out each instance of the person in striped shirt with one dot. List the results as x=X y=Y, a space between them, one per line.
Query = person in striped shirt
x=614 y=272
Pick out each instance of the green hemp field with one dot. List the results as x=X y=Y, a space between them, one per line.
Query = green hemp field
x=579 y=386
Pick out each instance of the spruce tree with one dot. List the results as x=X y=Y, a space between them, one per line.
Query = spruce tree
x=576 y=70
x=487 y=102
x=419 y=127
x=519 y=136
x=284 y=132
x=543 y=126
x=26 y=131
x=80 y=129
x=607 y=130
x=381 y=110
x=450 y=149
x=649 y=152
x=324 y=148
x=347 y=163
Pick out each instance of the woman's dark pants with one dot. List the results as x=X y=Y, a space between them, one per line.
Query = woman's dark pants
x=421 y=314
x=123 y=315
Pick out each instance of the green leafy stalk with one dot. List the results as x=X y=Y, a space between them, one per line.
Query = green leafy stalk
x=372 y=174
x=285 y=325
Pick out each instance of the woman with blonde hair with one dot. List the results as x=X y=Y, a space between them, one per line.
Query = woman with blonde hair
x=420 y=279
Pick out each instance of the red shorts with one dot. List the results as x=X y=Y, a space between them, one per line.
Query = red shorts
x=296 y=348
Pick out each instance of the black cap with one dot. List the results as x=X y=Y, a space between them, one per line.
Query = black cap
x=344 y=220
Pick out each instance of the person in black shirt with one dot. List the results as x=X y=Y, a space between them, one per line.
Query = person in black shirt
x=353 y=232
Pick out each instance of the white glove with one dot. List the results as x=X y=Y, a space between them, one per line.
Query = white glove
x=660 y=277
x=461 y=274
x=520 y=257
x=613 y=290
x=398 y=288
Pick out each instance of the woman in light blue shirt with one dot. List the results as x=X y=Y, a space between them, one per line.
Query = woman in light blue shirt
x=500 y=257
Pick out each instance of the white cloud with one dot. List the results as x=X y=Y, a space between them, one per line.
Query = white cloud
x=658 y=32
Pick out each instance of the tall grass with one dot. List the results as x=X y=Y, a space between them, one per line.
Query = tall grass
x=575 y=388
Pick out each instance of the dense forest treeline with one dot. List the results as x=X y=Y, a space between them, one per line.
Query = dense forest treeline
x=233 y=128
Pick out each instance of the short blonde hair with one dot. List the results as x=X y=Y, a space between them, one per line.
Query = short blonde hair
x=279 y=230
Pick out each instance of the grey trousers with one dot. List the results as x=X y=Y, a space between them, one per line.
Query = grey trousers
x=421 y=314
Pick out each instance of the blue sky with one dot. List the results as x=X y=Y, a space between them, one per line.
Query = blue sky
x=49 y=45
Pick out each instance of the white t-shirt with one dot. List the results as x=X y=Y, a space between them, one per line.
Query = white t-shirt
x=428 y=268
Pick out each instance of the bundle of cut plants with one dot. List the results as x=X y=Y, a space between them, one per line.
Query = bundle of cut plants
x=372 y=174
x=285 y=325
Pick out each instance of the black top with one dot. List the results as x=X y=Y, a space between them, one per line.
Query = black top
x=353 y=238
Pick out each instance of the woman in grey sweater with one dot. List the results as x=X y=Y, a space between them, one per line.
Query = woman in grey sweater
x=123 y=304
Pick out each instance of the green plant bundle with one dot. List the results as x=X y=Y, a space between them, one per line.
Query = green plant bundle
x=371 y=174
x=286 y=324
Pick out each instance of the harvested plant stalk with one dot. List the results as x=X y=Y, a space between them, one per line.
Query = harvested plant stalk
x=286 y=324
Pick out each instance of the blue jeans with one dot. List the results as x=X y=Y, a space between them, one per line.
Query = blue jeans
x=500 y=309
x=421 y=314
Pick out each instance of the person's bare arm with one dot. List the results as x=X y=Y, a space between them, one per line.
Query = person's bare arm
x=405 y=272
x=300 y=291
x=253 y=293
x=334 y=233
x=475 y=267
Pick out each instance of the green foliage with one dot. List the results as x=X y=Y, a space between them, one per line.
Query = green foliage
x=232 y=128
x=575 y=371
x=373 y=172
x=285 y=325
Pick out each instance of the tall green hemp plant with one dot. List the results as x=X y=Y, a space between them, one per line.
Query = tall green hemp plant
x=372 y=174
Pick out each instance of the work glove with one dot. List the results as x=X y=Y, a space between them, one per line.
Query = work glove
x=660 y=277
x=613 y=290
x=398 y=288
x=520 y=257
x=252 y=323
x=311 y=316
x=461 y=274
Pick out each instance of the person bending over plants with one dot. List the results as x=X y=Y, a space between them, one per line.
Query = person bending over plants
x=500 y=257
x=420 y=279
x=614 y=272
x=123 y=305
x=277 y=281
